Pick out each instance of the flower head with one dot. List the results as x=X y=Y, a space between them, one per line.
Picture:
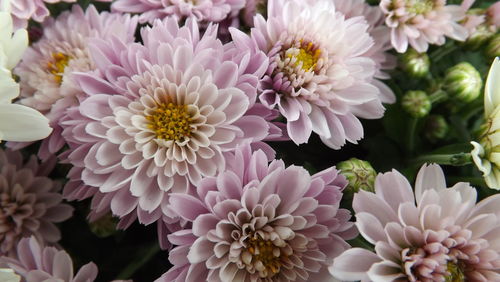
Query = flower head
x=35 y=262
x=30 y=201
x=260 y=221
x=46 y=73
x=422 y=22
x=200 y=10
x=17 y=123
x=432 y=234
x=159 y=117
x=318 y=78
x=485 y=152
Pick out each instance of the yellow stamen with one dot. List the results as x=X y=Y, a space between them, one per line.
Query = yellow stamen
x=170 y=122
x=56 y=67
x=307 y=57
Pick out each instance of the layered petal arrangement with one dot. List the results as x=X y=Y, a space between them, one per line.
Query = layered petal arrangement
x=160 y=116
x=419 y=23
x=17 y=123
x=30 y=201
x=382 y=41
x=260 y=221
x=485 y=153
x=319 y=77
x=431 y=234
x=35 y=262
x=199 y=10
x=48 y=66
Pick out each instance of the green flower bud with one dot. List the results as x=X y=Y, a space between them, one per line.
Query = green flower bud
x=436 y=128
x=463 y=82
x=416 y=103
x=104 y=226
x=359 y=173
x=414 y=63
x=492 y=50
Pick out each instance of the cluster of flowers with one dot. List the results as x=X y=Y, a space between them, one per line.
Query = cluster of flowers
x=171 y=126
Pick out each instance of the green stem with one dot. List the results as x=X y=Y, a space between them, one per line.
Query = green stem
x=143 y=258
x=412 y=128
x=438 y=96
x=441 y=52
x=459 y=159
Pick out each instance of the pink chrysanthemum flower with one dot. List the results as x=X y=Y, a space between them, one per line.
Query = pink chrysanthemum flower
x=30 y=201
x=46 y=72
x=35 y=262
x=382 y=41
x=445 y=236
x=159 y=117
x=260 y=221
x=422 y=22
x=200 y=10
x=24 y=10
x=318 y=77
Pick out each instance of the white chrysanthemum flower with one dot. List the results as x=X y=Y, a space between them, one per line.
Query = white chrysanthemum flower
x=17 y=123
x=486 y=153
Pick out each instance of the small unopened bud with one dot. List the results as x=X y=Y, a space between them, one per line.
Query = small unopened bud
x=414 y=63
x=359 y=173
x=492 y=49
x=416 y=103
x=436 y=128
x=463 y=82
x=104 y=226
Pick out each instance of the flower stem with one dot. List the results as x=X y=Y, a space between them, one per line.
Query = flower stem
x=459 y=159
x=438 y=96
x=412 y=128
x=441 y=52
x=143 y=258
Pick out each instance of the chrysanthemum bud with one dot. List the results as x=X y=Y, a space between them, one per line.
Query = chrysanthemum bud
x=436 y=128
x=104 y=226
x=359 y=173
x=414 y=63
x=416 y=103
x=492 y=49
x=463 y=82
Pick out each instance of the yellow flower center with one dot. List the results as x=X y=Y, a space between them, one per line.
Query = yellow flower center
x=56 y=67
x=265 y=255
x=419 y=6
x=456 y=273
x=170 y=122
x=307 y=56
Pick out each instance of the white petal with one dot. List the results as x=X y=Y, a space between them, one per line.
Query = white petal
x=19 y=123
x=492 y=88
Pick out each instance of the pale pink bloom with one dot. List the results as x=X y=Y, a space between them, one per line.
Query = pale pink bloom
x=319 y=76
x=432 y=234
x=260 y=221
x=200 y=10
x=419 y=23
x=24 y=10
x=382 y=41
x=493 y=14
x=30 y=201
x=35 y=262
x=46 y=72
x=159 y=117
